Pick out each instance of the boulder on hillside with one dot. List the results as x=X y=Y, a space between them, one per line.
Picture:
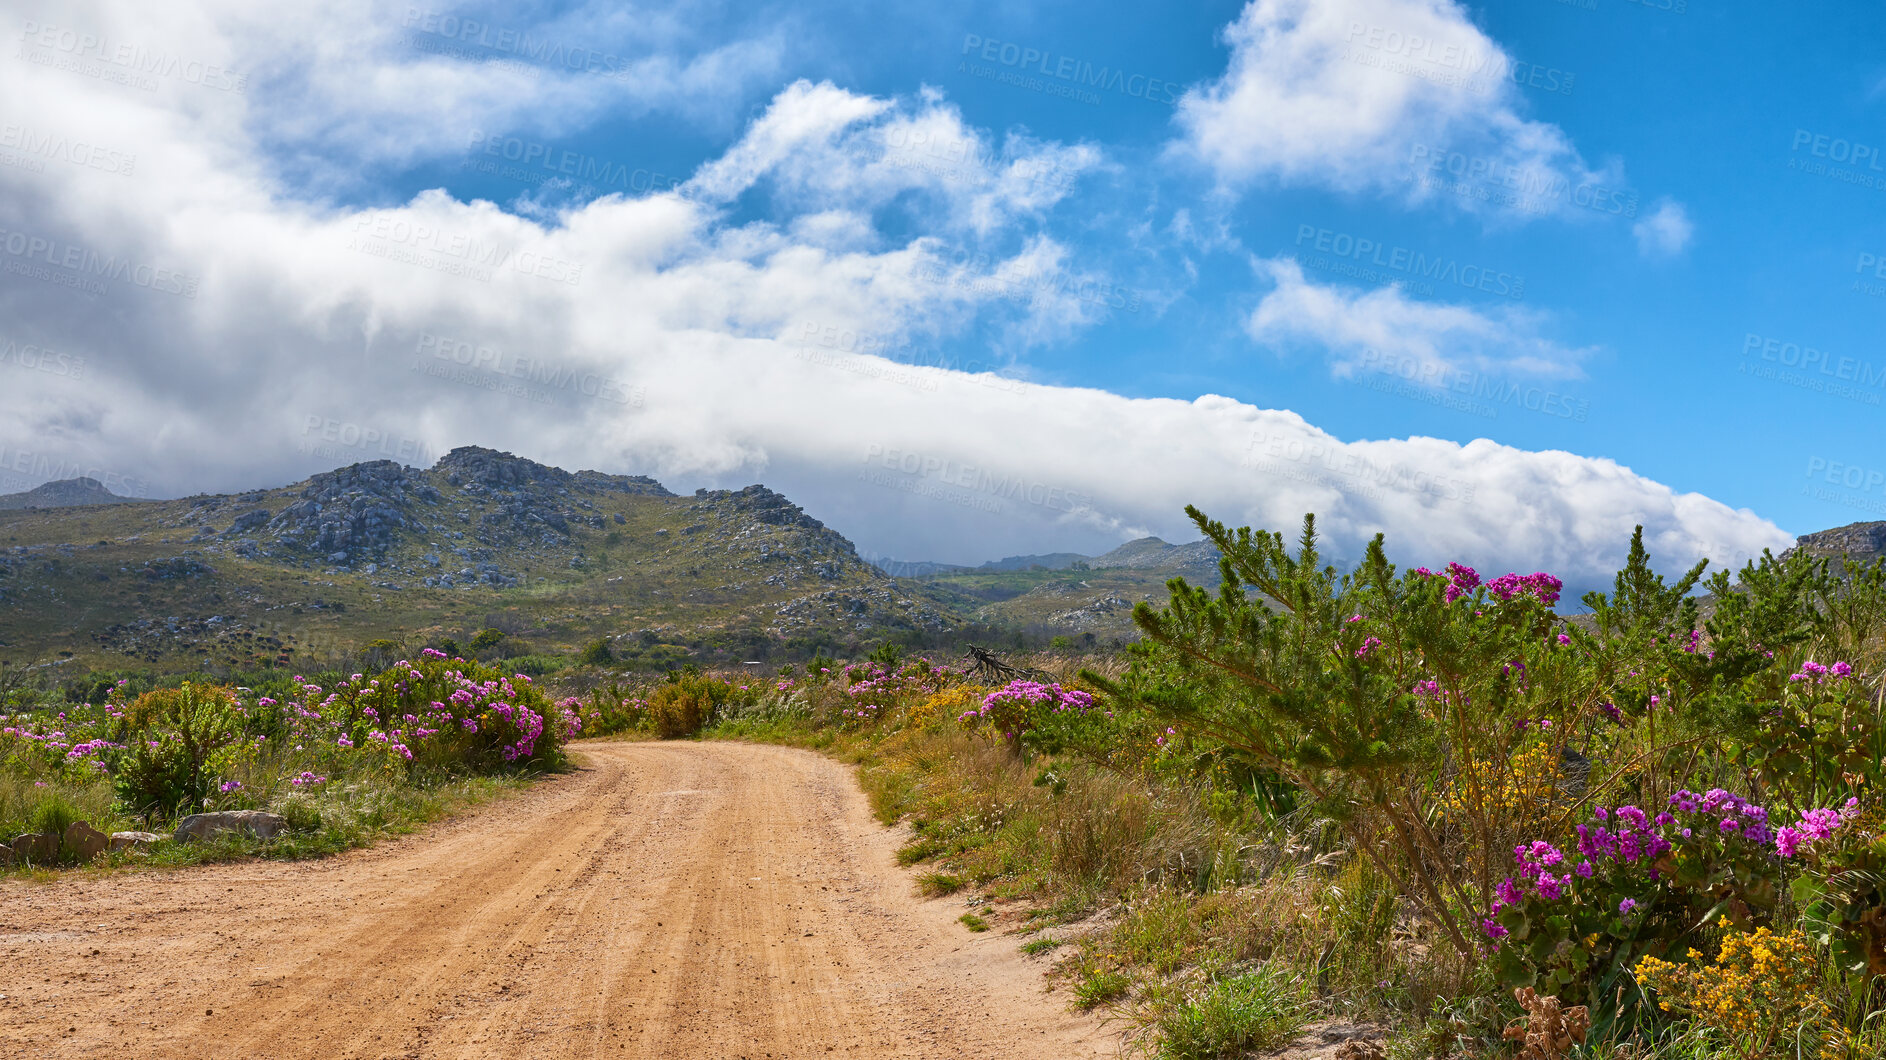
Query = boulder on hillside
x=250 y=822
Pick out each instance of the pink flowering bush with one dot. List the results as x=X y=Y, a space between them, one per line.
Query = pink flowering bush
x=874 y=688
x=1806 y=737
x=442 y=714
x=341 y=741
x=1637 y=885
x=1043 y=716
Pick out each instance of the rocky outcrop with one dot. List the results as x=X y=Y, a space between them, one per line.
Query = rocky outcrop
x=247 y=521
x=641 y=484
x=491 y=469
x=1862 y=542
x=761 y=505
x=354 y=510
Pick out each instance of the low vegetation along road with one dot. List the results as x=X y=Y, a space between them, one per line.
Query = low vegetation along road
x=667 y=900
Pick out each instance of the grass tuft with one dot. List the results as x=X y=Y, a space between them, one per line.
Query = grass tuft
x=938 y=884
x=1231 y=1017
x=1099 y=986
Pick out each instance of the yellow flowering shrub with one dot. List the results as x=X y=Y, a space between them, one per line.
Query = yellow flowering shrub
x=947 y=705
x=1521 y=791
x=1762 y=994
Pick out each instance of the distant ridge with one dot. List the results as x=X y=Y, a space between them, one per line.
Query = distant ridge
x=1146 y=553
x=65 y=493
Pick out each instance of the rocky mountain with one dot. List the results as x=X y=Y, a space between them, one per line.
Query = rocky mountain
x=65 y=493
x=482 y=539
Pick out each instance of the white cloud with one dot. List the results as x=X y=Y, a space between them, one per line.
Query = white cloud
x=405 y=82
x=1383 y=330
x=669 y=334
x=1407 y=97
x=1665 y=233
x=819 y=144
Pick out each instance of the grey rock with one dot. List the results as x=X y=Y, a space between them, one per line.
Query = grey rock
x=134 y=840
x=251 y=822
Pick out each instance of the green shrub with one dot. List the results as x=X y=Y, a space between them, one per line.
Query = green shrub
x=164 y=766
x=687 y=703
x=53 y=816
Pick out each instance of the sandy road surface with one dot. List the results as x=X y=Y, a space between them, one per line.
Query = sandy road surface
x=668 y=900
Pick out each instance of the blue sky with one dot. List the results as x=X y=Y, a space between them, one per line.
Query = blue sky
x=1702 y=198
x=1701 y=107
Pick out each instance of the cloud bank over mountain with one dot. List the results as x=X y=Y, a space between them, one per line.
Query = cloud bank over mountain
x=244 y=318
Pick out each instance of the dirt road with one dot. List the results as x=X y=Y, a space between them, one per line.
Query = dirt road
x=668 y=900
